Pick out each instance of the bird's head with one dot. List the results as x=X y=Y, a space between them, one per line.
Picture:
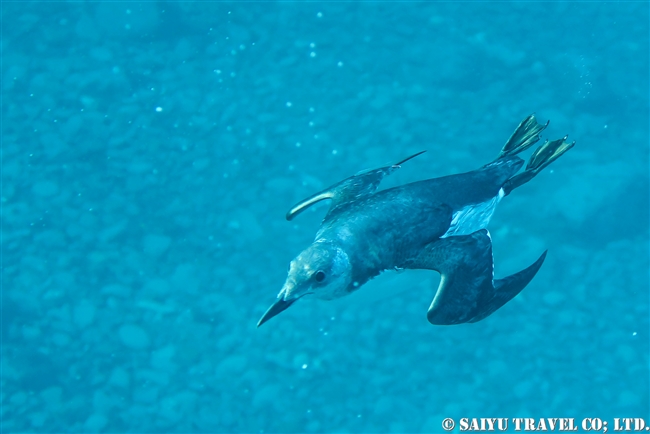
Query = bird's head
x=322 y=269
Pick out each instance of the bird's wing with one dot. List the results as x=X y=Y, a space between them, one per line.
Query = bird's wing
x=467 y=290
x=353 y=188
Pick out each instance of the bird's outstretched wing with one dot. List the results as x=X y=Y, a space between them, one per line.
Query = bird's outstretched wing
x=353 y=188
x=467 y=290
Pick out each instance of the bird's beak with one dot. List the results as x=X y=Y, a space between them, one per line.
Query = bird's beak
x=275 y=309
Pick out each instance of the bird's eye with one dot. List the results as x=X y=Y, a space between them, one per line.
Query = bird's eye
x=319 y=276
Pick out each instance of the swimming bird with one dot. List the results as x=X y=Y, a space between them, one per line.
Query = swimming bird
x=436 y=224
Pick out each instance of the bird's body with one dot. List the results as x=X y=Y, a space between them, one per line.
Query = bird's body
x=437 y=224
x=380 y=231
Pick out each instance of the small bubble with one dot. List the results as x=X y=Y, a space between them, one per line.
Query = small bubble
x=312 y=45
x=289 y=104
x=319 y=15
x=298 y=144
x=634 y=334
x=312 y=54
x=159 y=109
x=340 y=64
x=311 y=110
x=218 y=71
x=304 y=366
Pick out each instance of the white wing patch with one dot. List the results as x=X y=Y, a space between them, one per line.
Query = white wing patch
x=474 y=217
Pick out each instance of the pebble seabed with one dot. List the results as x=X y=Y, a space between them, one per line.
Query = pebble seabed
x=150 y=151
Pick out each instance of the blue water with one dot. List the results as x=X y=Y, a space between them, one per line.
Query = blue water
x=151 y=150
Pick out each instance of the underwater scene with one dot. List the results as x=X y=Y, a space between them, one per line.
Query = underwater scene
x=156 y=157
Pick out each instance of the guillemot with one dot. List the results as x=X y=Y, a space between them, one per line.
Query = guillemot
x=437 y=224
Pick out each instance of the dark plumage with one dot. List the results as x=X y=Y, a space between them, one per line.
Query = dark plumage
x=438 y=224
